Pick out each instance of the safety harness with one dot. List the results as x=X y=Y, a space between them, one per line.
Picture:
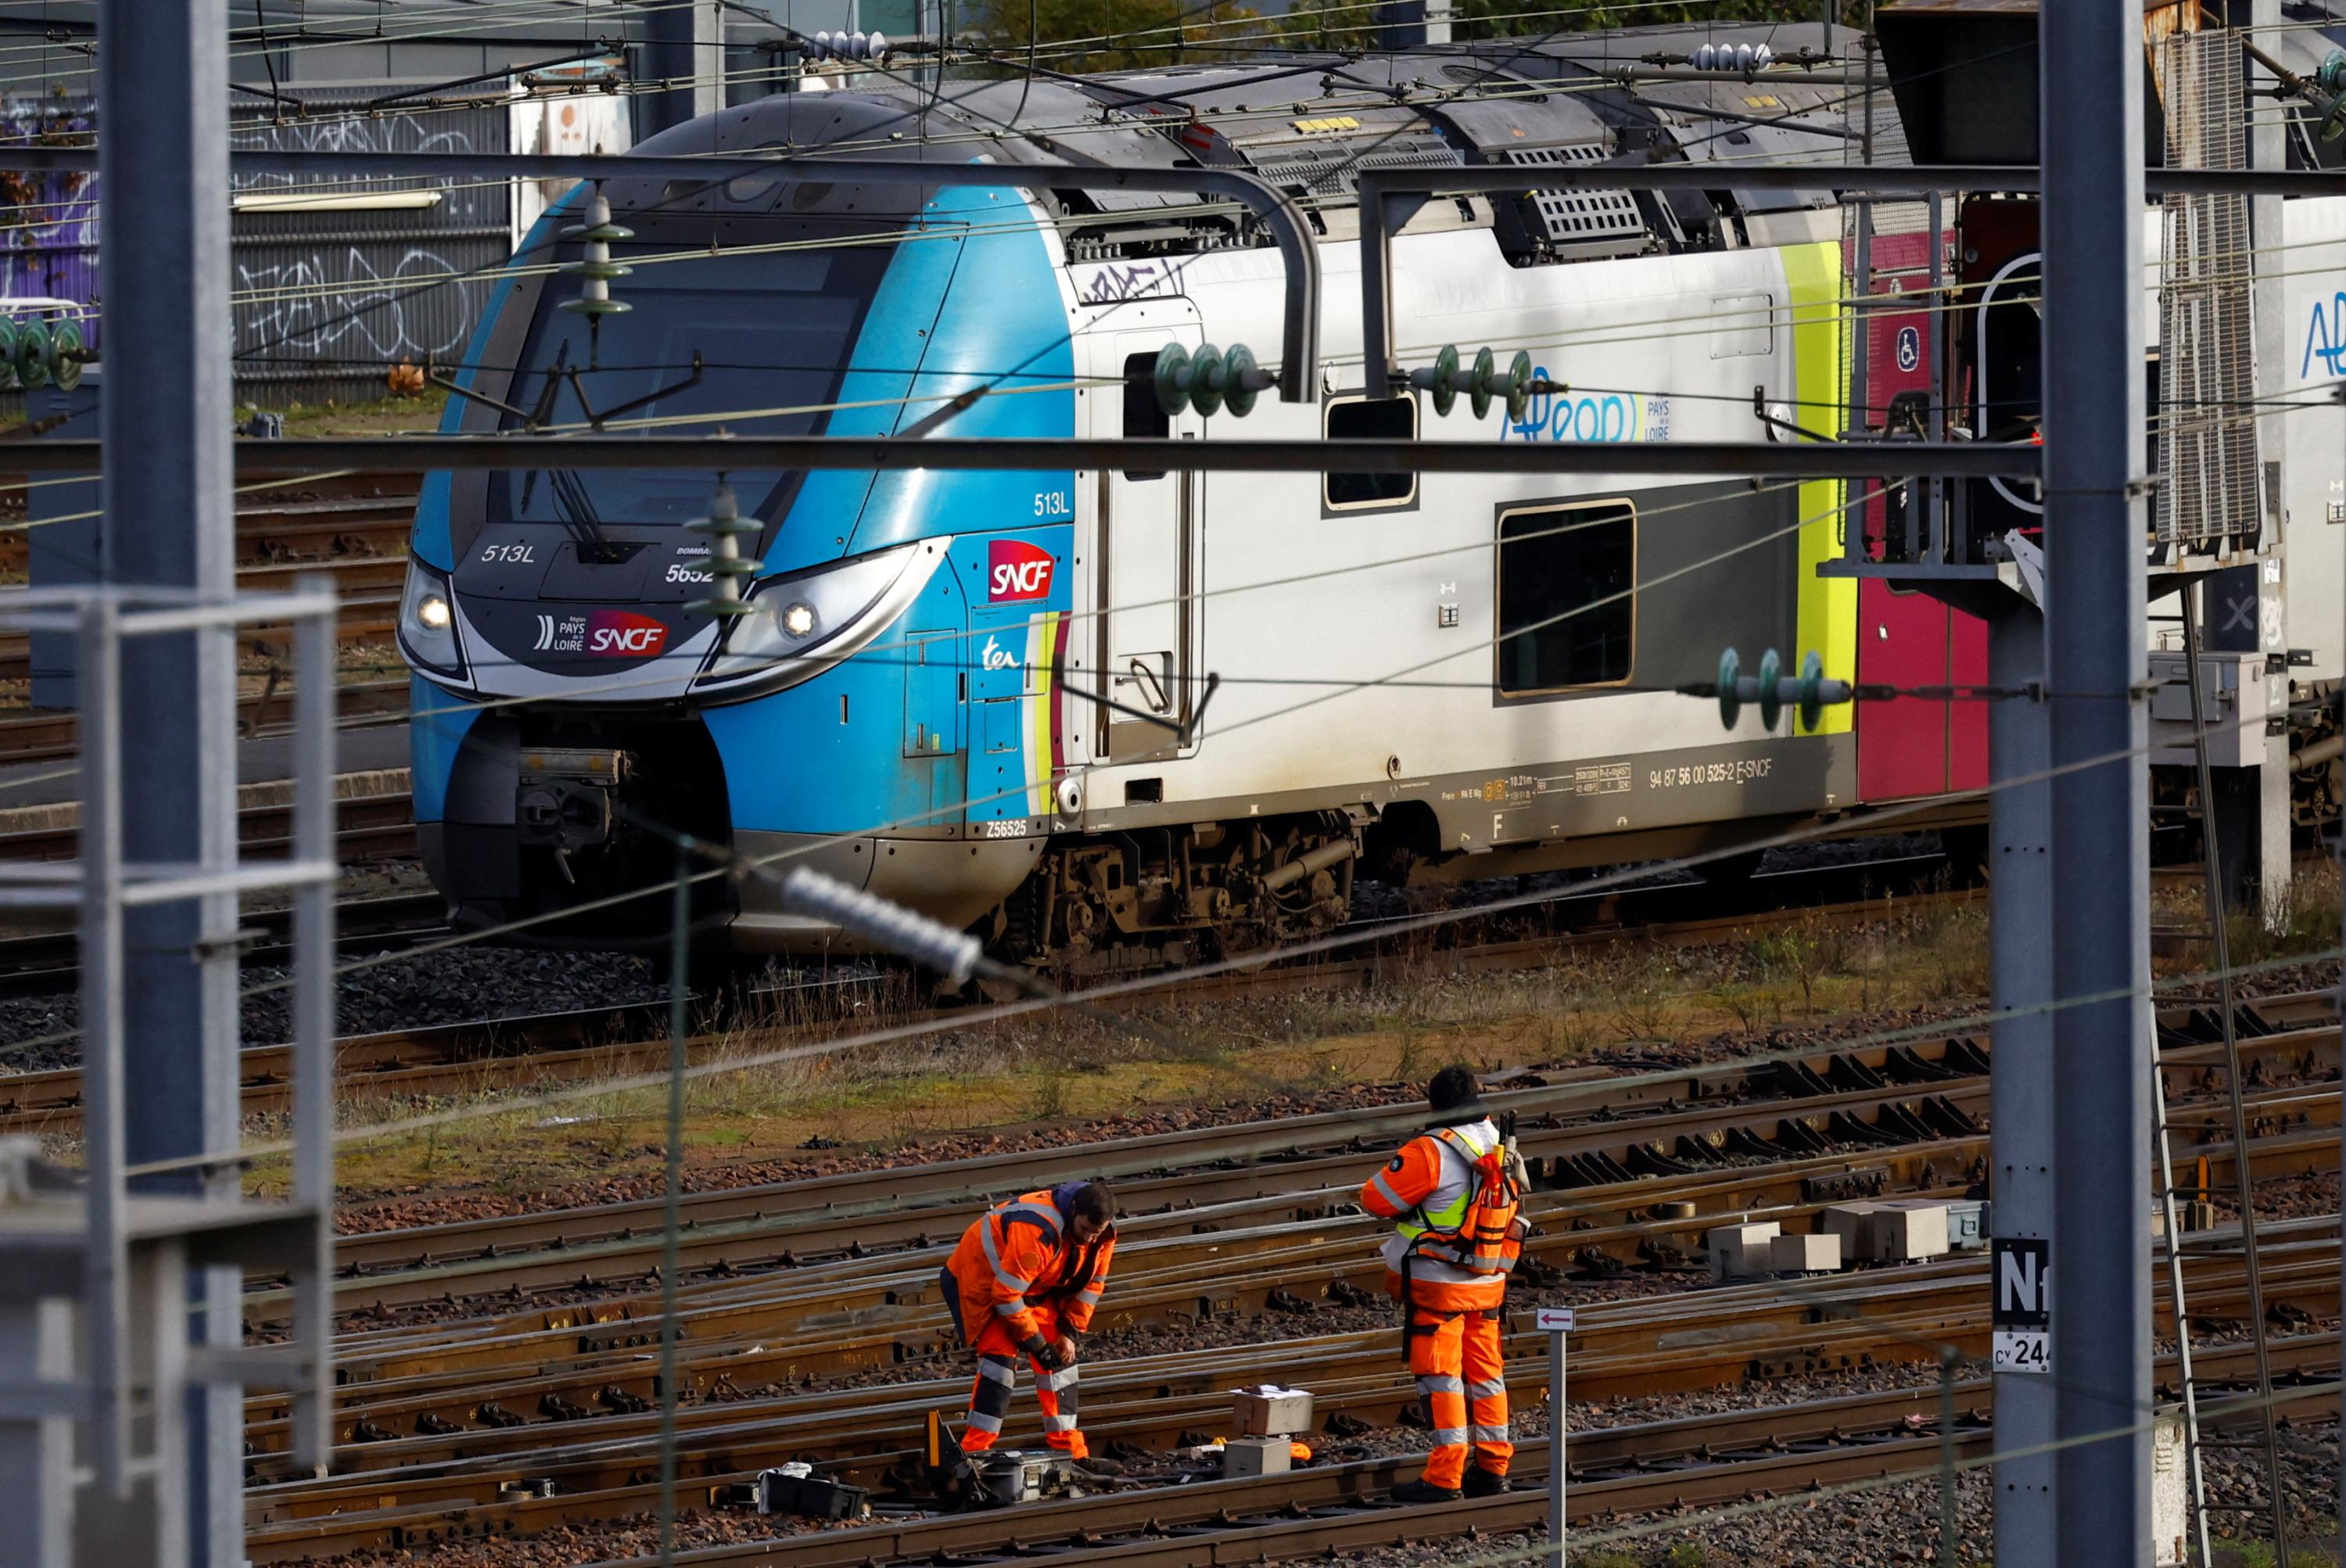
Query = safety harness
x=1482 y=1232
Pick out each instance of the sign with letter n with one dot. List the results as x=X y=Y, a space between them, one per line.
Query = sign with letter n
x=2022 y=1270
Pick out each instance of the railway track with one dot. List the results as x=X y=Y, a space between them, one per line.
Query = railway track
x=459 y=1430
x=354 y=531
x=1334 y=1509
x=400 y=1490
x=47 y=962
x=1587 y=1125
x=49 y=734
x=373 y=820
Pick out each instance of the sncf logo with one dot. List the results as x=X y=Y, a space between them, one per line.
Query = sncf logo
x=1016 y=570
x=619 y=633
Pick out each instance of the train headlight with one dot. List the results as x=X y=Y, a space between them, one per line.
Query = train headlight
x=427 y=622
x=799 y=626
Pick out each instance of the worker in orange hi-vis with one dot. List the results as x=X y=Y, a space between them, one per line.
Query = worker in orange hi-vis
x=1024 y=1280
x=1454 y=1192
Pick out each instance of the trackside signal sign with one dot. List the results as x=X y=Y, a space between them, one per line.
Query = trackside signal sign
x=2023 y=1322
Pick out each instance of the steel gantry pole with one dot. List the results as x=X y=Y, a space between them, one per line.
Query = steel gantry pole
x=2090 y=112
x=2022 y=1126
x=167 y=461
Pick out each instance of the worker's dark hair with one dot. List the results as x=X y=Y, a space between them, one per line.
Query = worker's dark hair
x=1092 y=1201
x=1452 y=1086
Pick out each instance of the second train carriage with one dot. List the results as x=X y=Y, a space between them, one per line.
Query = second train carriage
x=906 y=706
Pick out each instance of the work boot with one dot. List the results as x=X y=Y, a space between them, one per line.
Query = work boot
x=1096 y=1466
x=1424 y=1492
x=1481 y=1482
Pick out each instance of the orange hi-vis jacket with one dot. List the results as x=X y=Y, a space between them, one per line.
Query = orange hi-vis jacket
x=1016 y=1266
x=1429 y=1187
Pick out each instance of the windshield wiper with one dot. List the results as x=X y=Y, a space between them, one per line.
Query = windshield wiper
x=579 y=511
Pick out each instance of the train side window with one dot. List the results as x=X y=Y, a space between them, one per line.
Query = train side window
x=1568 y=598
x=1360 y=418
x=1145 y=418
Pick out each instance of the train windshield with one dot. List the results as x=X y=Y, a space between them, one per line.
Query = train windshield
x=772 y=333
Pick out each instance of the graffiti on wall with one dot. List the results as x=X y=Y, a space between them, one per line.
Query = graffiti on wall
x=48 y=222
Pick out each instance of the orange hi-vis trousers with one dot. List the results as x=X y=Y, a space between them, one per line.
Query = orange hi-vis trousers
x=997 y=1379
x=1461 y=1374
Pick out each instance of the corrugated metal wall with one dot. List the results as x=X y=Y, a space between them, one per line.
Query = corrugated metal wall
x=327 y=301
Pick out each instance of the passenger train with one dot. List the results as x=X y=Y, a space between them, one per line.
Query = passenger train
x=1417 y=677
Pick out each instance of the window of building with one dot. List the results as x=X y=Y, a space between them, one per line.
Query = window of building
x=1567 y=606
x=1360 y=419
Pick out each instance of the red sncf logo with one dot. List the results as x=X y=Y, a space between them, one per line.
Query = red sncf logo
x=620 y=634
x=1016 y=570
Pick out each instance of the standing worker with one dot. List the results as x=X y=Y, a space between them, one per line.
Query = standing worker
x=1025 y=1281
x=1452 y=1192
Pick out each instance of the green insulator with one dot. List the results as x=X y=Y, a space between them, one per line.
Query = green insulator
x=1445 y=380
x=724 y=609
x=1519 y=385
x=593 y=233
x=604 y=270
x=1172 y=380
x=1771 y=701
x=33 y=355
x=2331 y=73
x=1486 y=382
x=1812 y=695
x=733 y=567
x=7 y=353
x=596 y=307
x=70 y=353
x=1237 y=366
x=1207 y=380
x=1730 y=700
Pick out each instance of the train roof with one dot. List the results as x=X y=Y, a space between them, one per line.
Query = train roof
x=1309 y=121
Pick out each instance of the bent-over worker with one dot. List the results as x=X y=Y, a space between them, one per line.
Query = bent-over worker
x=1024 y=1280
x=1452 y=1192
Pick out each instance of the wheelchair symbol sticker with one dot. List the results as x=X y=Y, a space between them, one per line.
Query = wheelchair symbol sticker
x=1910 y=346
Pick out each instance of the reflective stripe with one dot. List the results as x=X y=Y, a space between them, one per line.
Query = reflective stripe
x=980 y=1421
x=1496 y=1389
x=1507 y=1266
x=1491 y=1434
x=1441 y=1383
x=1065 y=1378
x=1003 y=1372
x=1090 y=1297
x=1012 y=1307
x=1059 y=1423
x=1010 y=1282
x=1385 y=1191
x=1450 y=1437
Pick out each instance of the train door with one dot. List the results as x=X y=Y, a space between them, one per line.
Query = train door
x=1910 y=746
x=1147 y=544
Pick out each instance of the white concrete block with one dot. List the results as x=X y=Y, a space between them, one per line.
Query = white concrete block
x=1817 y=1254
